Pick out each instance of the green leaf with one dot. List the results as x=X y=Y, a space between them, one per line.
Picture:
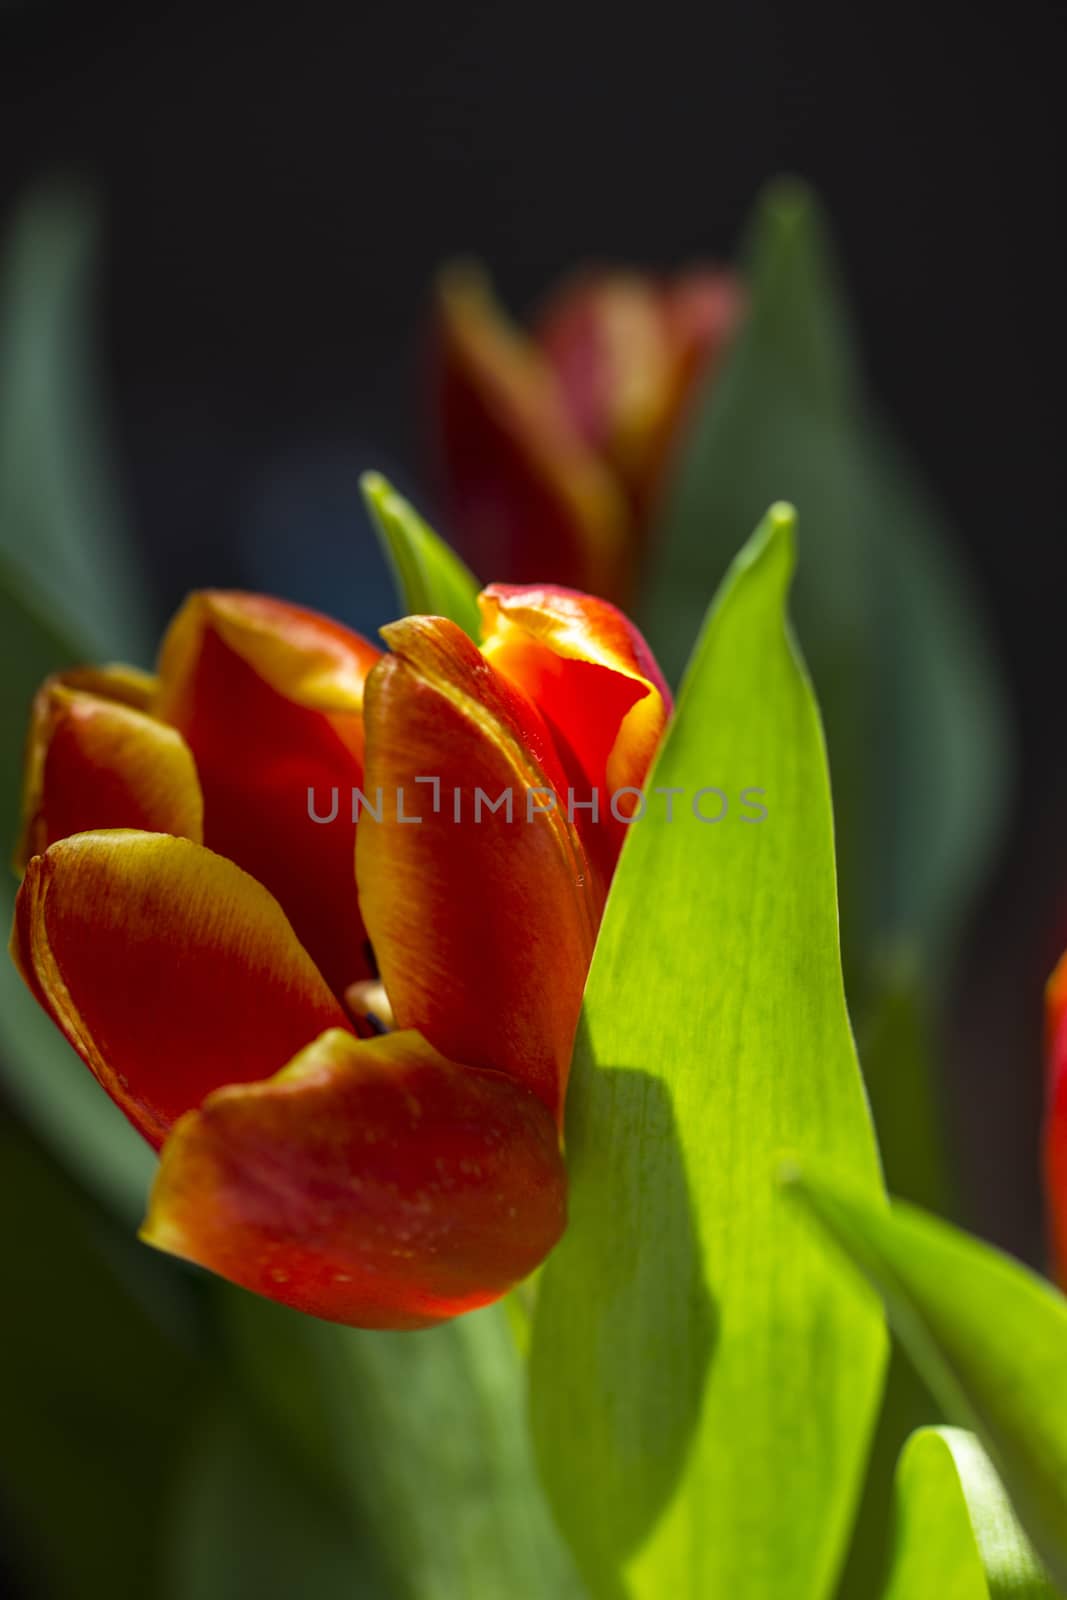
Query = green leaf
x=425 y=1436
x=62 y=533
x=914 y=713
x=906 y=1405
x=93 y=1393
x=430 y=578
x=245 y=1521
x=897 y=1048
x=702 y=1389
x=989 y=1336
x=955 y=1534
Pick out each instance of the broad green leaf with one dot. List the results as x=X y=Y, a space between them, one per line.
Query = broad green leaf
x=702 y=1390
x=68 y=592
x=93 y=1393
x=989 y=1336
x=914 y=715
x=430 y=578
x=425 y=1436
x=955 y=1535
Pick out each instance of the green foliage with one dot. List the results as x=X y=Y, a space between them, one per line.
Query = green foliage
x=989 y=1336
x=423 y=1437
x=955 y=1535
x=247 y=1523
x=62 y=534
x=913 y=712
x=702 y=1389
x=431 y=580
x=93 y=1391
x=703 y=1377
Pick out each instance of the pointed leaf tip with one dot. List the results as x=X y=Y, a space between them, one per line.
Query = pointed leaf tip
x=430 y=578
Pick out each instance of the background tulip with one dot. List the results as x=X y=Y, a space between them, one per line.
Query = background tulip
x=553 y=443
x=207 y=945
x=1056 y=1115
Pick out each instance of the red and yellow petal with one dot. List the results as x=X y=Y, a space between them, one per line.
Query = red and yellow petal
x=596 y=683
x=483 y=926
x=628 y=349
x=96 y=762
x=269 y=698
x=169 y=969
x=126 y=685
x=527 y=494
x=372 y=1182
x=1056 y=1116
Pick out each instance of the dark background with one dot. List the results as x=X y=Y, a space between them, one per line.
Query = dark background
x=280 y=183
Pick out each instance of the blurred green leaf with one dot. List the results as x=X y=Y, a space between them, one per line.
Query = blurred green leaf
x=93 y=1392
x=989 y=1336
x=913 y=710
x=247 y=1525
x=430 y=578
x=61 y=528
x=62 y=1100
x=955 y=1535
x=426 y=1436
x=68 y=591
x=703 y=1391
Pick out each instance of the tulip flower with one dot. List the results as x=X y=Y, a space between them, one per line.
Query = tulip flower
x=267 y=907
x=1056 y=1119
x=554 y=445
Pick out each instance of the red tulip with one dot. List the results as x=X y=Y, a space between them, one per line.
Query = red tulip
x=1056 y=1120
x=224 y=958
x=554 y=445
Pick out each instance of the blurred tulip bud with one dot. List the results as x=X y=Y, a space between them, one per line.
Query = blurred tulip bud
x=555 y=444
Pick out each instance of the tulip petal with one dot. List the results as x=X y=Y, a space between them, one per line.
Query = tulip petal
x=269 y=697
x=483 y=927
x=95 y=762
x=169 y=969
x=1056 y=1117
x=527 y=494
x=372 y=1182
x=596 y=682
x=628 y=349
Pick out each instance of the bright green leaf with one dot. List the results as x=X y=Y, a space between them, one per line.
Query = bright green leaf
x=430 y=577
x=955 y=1535
x=989 y=1336
x=426 y=1437
x=703 y=1391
